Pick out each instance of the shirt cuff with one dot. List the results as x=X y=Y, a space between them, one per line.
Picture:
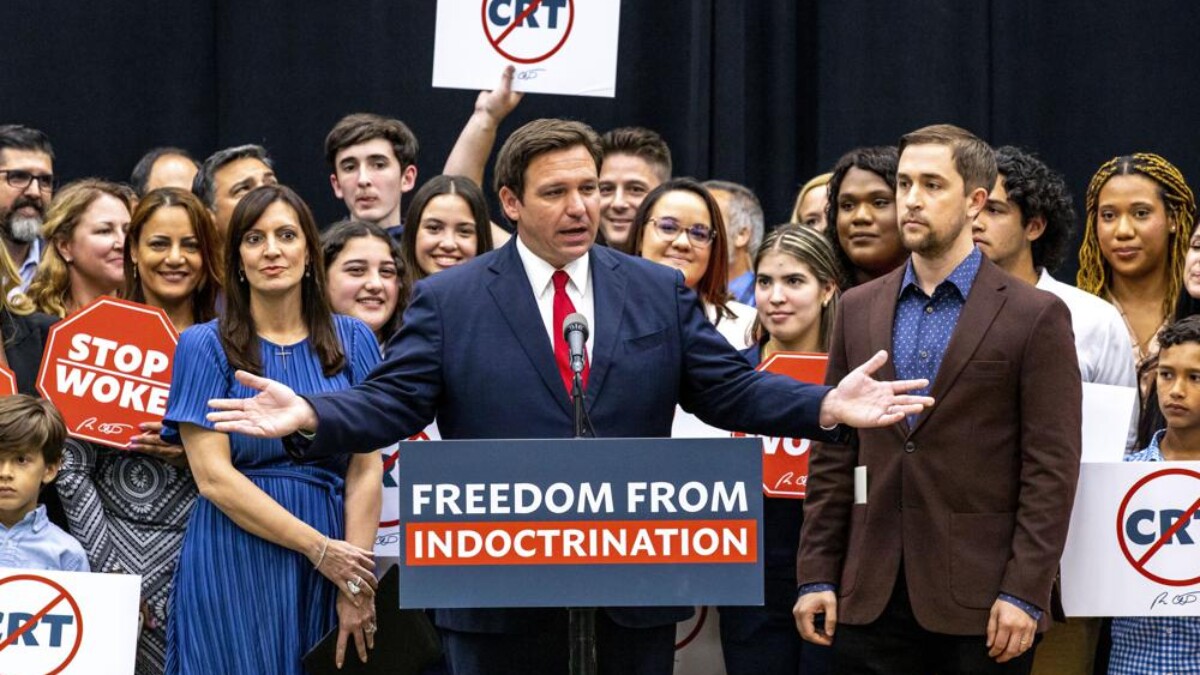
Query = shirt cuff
x=805 y=589
x=1028 y=608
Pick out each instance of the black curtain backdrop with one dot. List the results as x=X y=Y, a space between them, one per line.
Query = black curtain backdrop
x=767 y=92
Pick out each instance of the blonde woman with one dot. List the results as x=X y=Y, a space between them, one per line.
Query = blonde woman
x=85 y=232
x=811 y=202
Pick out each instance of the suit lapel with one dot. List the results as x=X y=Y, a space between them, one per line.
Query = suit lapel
x=882 y=316
x=608 y=293
x=983 y=304
x=514 y=298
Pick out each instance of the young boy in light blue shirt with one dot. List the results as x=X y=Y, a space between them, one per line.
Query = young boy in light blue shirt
x=31 y=441
x=1167 y=644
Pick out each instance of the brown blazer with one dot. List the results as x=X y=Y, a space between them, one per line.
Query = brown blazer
x=977 y=496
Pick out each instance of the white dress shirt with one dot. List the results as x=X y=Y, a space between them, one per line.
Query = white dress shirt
x=1101 y=341
x=579 y=290
x=736 y=329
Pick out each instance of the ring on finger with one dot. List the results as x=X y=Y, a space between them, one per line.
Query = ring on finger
x=370 y=628
x=354 y=585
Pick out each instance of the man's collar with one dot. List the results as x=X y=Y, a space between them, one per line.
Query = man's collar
x=962 y=277
x=540 y=271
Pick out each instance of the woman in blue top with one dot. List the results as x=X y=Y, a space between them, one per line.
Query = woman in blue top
x=272 y=547
x=796 y=292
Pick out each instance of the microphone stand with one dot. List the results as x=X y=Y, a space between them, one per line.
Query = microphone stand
x=581 y=626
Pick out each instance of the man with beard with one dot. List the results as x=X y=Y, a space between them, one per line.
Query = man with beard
x=932 y=545
x=27 y=167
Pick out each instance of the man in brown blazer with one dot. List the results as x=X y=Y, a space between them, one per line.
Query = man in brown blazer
x=932 y=545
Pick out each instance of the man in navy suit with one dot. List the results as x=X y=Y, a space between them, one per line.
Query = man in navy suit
x=477 y=351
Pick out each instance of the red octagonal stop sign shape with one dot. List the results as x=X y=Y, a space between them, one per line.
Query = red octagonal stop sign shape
x=785 y=460
x=8 y=381
x=107 y=368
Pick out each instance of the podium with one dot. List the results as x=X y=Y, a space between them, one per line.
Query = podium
x=581 y=523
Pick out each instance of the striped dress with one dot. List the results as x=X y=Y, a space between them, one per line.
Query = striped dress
x=241 y=604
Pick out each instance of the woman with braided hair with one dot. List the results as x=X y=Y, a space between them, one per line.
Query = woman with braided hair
x=1140 y=213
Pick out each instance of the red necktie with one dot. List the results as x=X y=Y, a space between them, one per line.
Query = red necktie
x=563 y=307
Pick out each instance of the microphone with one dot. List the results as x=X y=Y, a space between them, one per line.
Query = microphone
x=575 y=332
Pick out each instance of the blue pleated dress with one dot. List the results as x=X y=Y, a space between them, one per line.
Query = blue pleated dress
x=241 y=604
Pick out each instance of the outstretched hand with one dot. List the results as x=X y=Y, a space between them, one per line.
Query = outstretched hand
x=860 y=400
x=275 y=411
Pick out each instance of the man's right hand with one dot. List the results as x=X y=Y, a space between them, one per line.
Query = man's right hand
x=274 y=412
x=495 y=105
x=806 y=610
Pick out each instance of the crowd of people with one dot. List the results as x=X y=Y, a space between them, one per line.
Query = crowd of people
x=303 y=350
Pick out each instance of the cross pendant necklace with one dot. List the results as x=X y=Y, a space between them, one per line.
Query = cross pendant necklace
x=283 y=353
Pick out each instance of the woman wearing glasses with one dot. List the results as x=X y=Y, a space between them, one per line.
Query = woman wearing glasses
x=679 y=225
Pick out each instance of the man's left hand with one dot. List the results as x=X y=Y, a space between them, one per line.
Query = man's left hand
x=864 y=402
x=1010 y=631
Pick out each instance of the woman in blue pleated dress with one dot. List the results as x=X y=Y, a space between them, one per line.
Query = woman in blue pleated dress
x=276 y=553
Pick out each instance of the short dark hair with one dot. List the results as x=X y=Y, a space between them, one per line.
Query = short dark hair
x=640 y=142
x=535 y=139
x=141 y=171
x=435 y=187
x=20 y=137
x=973 y=159
x=204 y=185
x=880 y=160
x=1039 y=192
x=34 y=424
x=334 y=239
x=1186 y=330
x=362 y=127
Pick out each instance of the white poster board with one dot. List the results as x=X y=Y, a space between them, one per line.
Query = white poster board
x=387 y=539
x=1134 y=543
x=1107 y=415
x=68 y=622
x=557 y=46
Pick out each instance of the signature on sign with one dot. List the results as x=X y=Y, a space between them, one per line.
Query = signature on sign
x=106 y=428
x=1180 y=599
x=790 y=479
x=530 y=74
x=390 y=538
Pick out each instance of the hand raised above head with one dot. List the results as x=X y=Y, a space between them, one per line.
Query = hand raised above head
x=275 y=411
x=860 y=400
x=499 y=102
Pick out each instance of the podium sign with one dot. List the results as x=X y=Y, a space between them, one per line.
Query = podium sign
x=581 y=522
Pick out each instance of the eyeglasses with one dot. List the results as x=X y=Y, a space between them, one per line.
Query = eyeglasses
x=21 y=179
x=669 y=228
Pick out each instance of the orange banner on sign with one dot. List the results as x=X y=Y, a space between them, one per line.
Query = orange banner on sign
x=589 y=542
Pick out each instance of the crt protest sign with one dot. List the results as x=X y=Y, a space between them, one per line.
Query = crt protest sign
x=107 y=368
x=1133 y=548
x=557 y=46
x=626 y=522
x=68 y=622
x=387 y=538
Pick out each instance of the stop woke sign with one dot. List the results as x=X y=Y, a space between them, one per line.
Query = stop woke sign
x=785 y=460
x=8 y=382
x=107 y=368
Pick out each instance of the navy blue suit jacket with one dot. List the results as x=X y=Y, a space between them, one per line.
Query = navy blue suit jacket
x=473 y=352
